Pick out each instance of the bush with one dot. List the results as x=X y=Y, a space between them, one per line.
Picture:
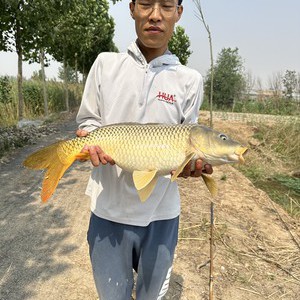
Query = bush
x=270 y=106
x=5 y=90
x=33 y=98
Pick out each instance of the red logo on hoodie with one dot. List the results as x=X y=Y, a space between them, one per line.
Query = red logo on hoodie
x=165 y=97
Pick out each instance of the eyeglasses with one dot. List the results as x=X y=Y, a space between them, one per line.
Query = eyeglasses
x=146 y=7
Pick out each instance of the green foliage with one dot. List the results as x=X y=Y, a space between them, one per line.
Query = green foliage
x=82 y=33
x=32 y=93
x=270 y=106
x=229 y=81
x=289 y=82
x=62 y=28
x=282 y=139
x=5 y=90
x=56 y=96
x=180 y=45
x=284 y=190
x=71 y=75
x=33 y=98
x=291 y=183
x=272 y=161
x=286 y=141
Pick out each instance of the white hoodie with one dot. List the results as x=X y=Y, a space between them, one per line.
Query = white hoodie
x=123 y=87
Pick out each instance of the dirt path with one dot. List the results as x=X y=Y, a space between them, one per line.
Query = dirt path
x=44 y=255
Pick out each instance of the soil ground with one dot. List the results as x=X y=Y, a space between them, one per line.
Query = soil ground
x=44 y=253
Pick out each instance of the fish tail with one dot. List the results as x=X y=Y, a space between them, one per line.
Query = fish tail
x=56 y=159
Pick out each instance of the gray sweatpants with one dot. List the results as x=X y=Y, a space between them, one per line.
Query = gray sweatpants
x=116 y=249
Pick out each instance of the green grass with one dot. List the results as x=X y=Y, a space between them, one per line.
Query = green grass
x=269 y=165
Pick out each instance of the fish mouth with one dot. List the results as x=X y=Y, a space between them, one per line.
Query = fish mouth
x=239 y=152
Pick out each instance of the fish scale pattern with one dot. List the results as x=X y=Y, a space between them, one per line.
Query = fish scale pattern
x=139 y=147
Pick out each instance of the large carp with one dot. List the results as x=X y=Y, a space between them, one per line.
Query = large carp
x=145 y=150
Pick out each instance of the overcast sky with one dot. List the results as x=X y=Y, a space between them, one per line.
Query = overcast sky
x=267 y=33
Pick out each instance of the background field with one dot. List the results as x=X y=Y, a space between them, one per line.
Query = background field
x=43 y=247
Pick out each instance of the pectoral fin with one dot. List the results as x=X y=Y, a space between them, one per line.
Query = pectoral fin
x=147 y=190
x=142 y=178
x=210 y=183
x=181 y=167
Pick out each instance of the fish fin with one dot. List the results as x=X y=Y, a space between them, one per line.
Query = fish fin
x=55 y=160
x=181 y=167
x=39 y=160
x=210 y=183
x=142 y=178
x=53 y=174
x=83 y=156
x=147 y=190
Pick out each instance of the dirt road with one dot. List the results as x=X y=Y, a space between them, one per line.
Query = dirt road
x=44 y=255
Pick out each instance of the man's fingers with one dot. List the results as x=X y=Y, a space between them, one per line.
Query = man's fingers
x=186 y=172
x=81 y=133
x=94 y=156
x=198 y=164
x=208 y=169
x=98 y=156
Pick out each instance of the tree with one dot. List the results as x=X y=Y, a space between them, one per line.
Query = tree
x=71 y=74
x=84 y=32
x=229 y=81
x=250 y=82
x=289 y=81
x=298 y=87
x=80 y=35
x=74 y=32
x=275 y=84
x=180 y=45
x=15 y=36
x=46 y=15
x=26 y=28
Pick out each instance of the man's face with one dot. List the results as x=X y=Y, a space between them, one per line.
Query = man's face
x=154 y=21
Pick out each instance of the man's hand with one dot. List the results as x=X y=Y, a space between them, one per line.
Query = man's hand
x=199 y=169
x=97 y=155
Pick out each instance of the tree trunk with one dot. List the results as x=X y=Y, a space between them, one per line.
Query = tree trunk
x=20 y=71
x=66 y=85
x=76 y=68
x=45 y=95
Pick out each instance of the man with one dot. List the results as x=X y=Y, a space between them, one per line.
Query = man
x=145 y=85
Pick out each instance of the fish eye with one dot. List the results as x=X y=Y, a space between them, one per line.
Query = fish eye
x=223 y=136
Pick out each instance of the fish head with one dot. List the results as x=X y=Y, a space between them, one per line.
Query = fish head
x=214 y=147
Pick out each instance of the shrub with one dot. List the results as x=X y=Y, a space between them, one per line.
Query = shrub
x=33 y=97
x=5 y=90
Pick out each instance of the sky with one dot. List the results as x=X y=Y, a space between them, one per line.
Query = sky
x=266 y=32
